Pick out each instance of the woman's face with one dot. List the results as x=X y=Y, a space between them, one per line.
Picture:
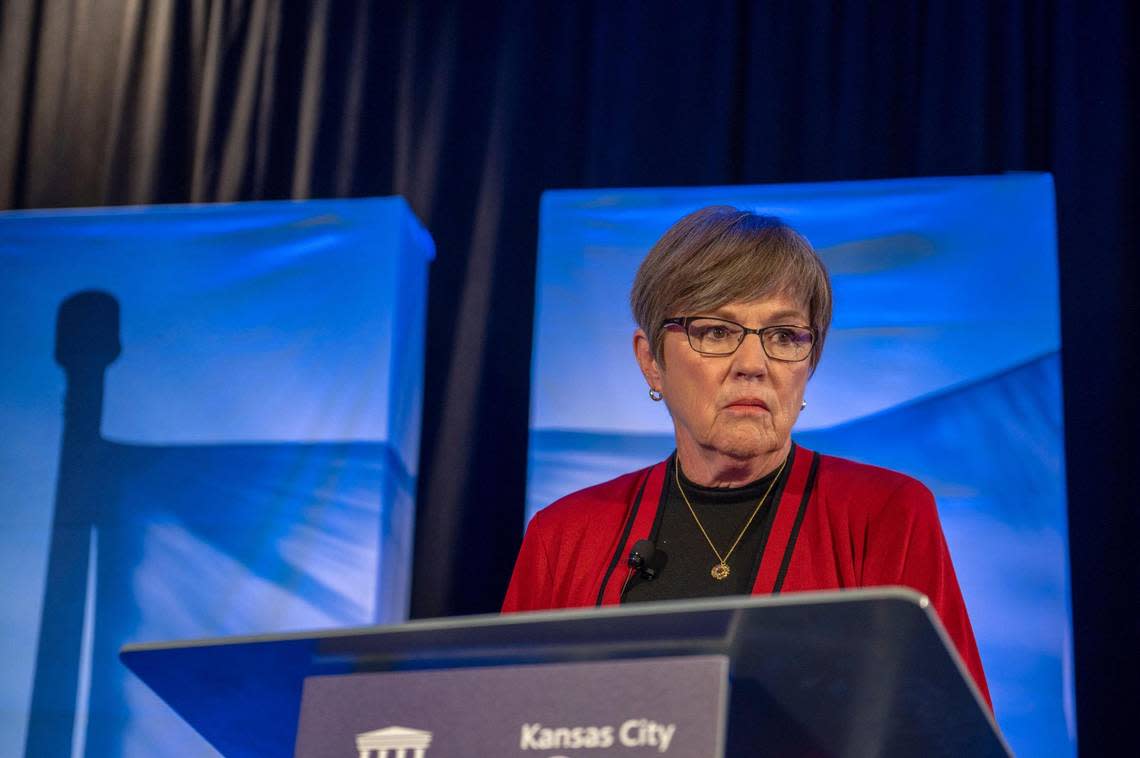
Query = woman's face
x=743 y=405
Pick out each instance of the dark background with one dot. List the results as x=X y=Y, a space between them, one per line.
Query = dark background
x=471 y=109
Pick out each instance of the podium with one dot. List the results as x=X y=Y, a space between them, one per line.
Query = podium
x=853 y=673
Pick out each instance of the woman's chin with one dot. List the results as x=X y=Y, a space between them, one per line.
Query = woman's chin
x=746 y=447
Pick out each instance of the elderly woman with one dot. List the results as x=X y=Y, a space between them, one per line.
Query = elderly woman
x=732 y=311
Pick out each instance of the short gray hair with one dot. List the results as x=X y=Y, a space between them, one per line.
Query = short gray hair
x=720 y=255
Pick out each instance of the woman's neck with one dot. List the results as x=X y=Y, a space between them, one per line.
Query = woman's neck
x=710 y=468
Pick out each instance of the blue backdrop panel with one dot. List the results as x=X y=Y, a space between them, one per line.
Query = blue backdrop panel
x=942 y=362
x=211 y=427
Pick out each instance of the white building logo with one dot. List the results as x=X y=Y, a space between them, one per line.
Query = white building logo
x=393 y=742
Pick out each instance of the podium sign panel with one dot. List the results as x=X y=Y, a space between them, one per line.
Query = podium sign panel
x=671 y=707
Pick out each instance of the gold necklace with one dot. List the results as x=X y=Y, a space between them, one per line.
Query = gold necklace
x=721 y=571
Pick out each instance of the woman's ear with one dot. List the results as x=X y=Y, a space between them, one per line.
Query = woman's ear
x=643 y=352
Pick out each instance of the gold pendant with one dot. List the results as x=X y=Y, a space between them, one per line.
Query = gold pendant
x=720 y=571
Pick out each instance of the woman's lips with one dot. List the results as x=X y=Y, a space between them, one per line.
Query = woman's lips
x=747 y=406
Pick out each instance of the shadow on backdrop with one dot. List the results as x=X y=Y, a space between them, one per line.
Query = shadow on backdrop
x=86 y=343
x=156 y=542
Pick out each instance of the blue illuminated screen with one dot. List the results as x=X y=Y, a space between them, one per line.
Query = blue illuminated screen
x=236 y=453
x=942 y=362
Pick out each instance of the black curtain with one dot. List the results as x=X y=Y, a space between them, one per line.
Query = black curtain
x=470 y=110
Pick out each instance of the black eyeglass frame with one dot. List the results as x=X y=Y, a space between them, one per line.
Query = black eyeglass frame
x=684 y=321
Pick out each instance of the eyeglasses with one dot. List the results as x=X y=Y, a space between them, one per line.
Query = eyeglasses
x=718 y=336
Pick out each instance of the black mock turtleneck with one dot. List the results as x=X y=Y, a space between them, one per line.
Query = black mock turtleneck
x=685 y=558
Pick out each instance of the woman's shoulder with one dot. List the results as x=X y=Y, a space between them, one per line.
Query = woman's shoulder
x=847 y=481
x=857 y=473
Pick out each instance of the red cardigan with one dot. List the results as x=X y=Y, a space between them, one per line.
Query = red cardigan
x=838 y=524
